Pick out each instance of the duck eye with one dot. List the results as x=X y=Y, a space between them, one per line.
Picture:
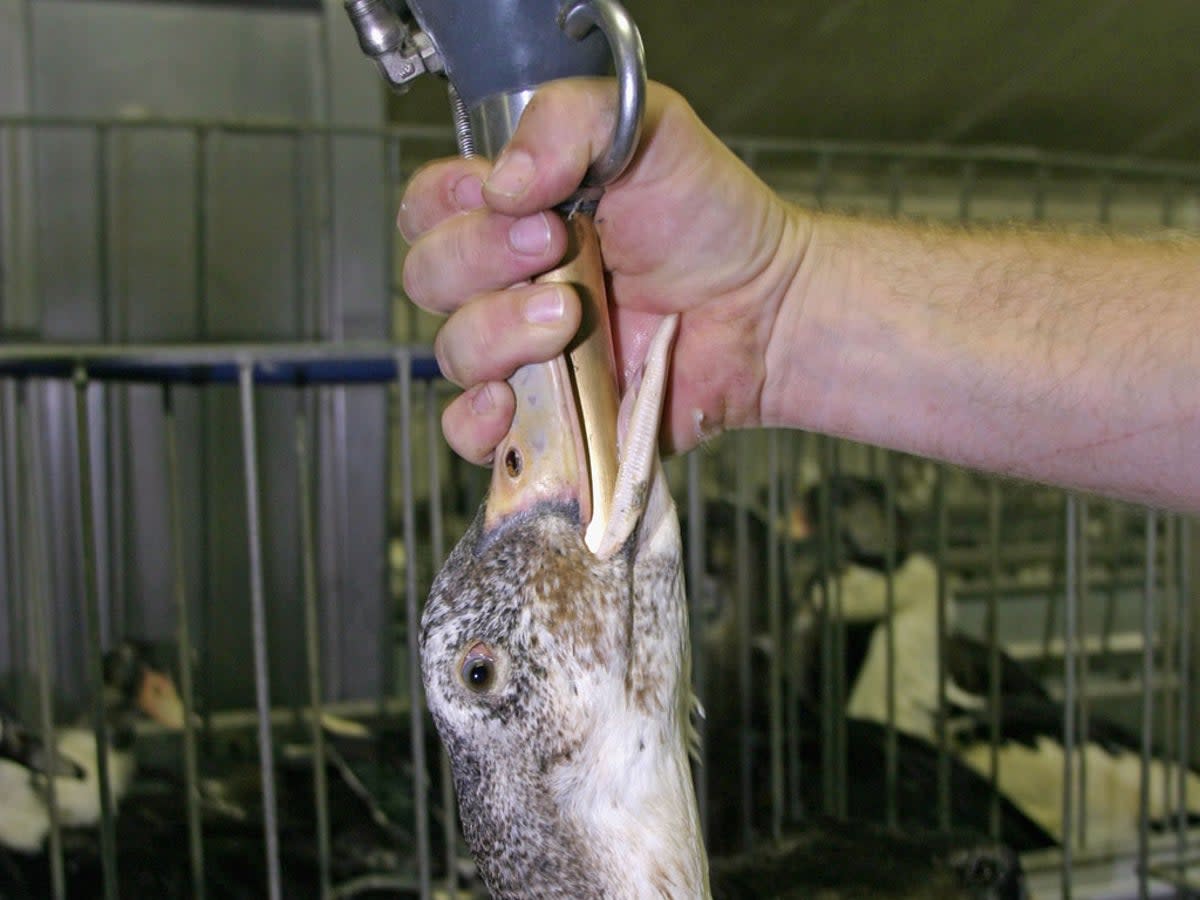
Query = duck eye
x=479 y=669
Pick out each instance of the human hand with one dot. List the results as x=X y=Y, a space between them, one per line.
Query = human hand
x=687 y=228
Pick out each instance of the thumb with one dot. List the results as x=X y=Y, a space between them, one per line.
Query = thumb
x=565 y=127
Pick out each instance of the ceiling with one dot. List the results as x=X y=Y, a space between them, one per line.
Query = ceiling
x=1104 y=76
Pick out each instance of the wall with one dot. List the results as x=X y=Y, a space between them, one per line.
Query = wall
x=155 y=234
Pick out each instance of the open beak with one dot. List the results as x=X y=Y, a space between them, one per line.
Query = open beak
x=562 y=447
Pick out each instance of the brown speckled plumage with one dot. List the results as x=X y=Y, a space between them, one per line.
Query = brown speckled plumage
x=591 y=655
x=555 y=661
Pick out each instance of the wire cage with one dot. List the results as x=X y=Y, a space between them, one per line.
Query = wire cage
x=185 y=492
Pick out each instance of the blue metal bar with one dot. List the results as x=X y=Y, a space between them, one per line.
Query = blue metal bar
x=287 y=364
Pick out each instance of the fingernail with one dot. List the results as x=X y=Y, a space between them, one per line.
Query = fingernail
x=468 y=192
x=512 y=174
x=544 y=307
x=530 y=235
x=401 y=213
x=482 y=401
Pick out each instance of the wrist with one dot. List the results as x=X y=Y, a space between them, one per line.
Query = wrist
x=798 y=348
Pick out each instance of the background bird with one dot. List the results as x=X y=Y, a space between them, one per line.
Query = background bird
x=735 y=821
x=1031 y=757
x=836 y=860
x=133 y=688
x=24 y=763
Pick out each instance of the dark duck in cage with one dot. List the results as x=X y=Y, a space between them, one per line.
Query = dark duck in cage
x=1031 y=757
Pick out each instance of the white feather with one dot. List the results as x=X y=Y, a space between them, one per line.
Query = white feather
x=631 y=791
x=862 y=596
x=1031 y=777
x=24 y=821
x=78 y=798
x=1033 y=780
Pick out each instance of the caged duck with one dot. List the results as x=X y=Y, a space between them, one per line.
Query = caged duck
x=555 y=659
x=24 y=765
x=134 y=689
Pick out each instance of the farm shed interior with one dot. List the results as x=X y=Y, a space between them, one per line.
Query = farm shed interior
x=219 y=452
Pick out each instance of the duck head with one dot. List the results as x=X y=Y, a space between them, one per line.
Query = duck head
x=135 y=686
x=556 y=668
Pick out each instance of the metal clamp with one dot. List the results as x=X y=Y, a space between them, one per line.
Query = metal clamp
x=400 y=52
x=630 y=63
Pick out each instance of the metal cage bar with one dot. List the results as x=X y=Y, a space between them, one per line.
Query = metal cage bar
x=91 y=615
x=416 y=696
x=191 y=778
x=1149 y=600
x=695 y=577
x=262 y=688
x=34 y=579
x=1070 y=641
x=312 y=651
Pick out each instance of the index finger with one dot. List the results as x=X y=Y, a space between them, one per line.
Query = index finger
x=439 y=190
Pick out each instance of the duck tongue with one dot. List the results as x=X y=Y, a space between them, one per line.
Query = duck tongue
x=562 y=447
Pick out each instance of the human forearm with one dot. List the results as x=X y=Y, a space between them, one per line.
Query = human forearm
x=1060 y=358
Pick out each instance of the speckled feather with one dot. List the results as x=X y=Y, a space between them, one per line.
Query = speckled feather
x=591 y=669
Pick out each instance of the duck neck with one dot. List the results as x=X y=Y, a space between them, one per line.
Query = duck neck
x=647 y=834
x=617 y=825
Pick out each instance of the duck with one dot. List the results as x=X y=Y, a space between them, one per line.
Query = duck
x=555 y=658
x=24 y=762
x=1031 y=754
x=729 y=828
x=836 y=859
x=133 y=687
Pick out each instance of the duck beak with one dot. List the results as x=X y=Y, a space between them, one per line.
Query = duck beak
x=159 y=700
x=562 y=447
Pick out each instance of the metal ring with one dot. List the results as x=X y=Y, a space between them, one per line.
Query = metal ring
x=630 y=62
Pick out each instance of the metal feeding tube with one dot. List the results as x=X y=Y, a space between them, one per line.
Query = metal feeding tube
x=495 y=55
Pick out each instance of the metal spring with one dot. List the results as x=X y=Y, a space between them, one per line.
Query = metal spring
x=462 y=125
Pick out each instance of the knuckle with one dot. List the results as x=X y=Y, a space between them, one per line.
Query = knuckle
x=428 y=197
